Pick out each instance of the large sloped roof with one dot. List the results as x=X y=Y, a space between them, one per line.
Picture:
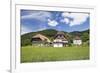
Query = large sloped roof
x=60 y=32
x=42 y=37
x=58 y=35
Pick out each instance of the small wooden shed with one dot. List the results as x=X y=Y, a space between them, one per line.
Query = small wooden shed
x=77 y=40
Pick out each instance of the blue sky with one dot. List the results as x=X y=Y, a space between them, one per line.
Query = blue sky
x=35 y=20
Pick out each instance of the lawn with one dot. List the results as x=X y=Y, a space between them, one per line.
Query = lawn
x=42 y=54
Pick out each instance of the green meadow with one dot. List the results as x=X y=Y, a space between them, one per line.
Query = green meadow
x=44 y=54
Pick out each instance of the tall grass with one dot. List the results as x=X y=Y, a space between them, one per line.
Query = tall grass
x=41 y=54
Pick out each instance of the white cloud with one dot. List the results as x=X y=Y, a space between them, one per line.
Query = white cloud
x=52 y=23
x=65 y=20
x=78 y=18
x=39 y=15
x=24 y=30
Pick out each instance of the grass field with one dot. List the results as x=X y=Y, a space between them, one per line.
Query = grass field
x=42 y=54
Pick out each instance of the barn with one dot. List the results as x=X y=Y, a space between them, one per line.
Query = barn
x=39 y=40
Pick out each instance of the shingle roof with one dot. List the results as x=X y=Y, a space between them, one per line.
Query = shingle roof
x=60 y=35
x=77 y=38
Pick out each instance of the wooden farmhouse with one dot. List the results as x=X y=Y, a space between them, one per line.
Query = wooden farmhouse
x=60 y=40
x=39 y=39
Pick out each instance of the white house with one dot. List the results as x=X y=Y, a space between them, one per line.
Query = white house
x=60 y=40
x=77 y=40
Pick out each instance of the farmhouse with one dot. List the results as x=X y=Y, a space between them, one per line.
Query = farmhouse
x=40 y=39
x=60 y=40
x=77 y=40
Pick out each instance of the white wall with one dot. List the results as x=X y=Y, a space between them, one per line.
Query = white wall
x=77 y=42
x=5 y=36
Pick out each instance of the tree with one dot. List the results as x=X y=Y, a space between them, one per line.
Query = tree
x=85 y=37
